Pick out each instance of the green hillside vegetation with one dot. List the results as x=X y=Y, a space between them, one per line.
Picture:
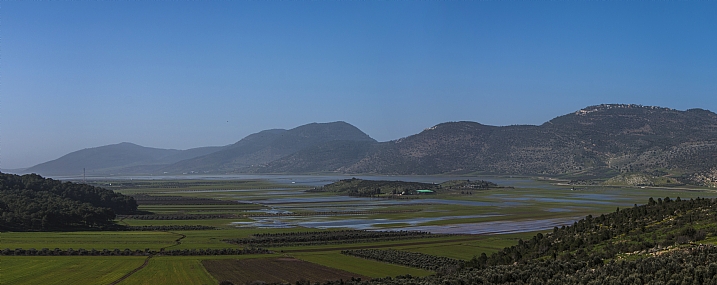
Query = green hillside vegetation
x=361 y=187
x=31 y=202
x=656 y=243
x=468 y=185
x=642 y=179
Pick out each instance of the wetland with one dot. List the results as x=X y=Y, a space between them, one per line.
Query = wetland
x=466 y=223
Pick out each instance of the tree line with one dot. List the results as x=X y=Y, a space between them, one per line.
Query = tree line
x=407 y=258
x=327 y=237
x=31 y=202
x=129 y=252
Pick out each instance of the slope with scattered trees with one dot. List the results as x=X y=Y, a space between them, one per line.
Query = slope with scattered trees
x=656 y=243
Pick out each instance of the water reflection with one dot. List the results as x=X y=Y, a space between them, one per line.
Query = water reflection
x=498 y=227
x=356 y=223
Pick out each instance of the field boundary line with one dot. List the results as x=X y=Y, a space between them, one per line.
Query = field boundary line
x=146 y=261
x=177 y=242
x=381 y=245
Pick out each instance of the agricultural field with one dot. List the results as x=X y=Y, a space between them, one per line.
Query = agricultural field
x=274 y=270
x=66 y=269
x=236 y=213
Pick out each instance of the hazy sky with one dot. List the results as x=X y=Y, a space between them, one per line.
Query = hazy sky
x=181 y=74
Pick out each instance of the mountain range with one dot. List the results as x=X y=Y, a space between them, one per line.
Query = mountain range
x=595 y=142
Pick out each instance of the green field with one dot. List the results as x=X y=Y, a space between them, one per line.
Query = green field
x=271 y=206
x=88 y=240
x=65 y=269
x=170 y=270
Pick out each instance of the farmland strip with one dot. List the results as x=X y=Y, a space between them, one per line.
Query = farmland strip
x=476 y=237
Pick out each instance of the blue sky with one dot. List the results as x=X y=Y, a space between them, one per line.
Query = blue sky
x=184 y=74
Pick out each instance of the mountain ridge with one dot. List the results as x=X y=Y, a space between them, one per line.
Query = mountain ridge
x=597 y=141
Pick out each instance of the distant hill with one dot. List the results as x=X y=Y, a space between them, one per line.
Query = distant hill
x=258 y=150
x=123 y=158
x=596 y=142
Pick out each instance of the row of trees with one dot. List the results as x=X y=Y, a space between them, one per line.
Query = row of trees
x=327 y=237
x=31 y=202
x=412 y=259
x=165 y=228
x=178 y=216
x=129 y=252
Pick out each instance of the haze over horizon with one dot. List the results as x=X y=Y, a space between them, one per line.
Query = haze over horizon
x=179 y=75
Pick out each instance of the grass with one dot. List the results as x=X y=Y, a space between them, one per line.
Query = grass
x=170 y=271
x=219 y=223
x=65 y=269
x=87 y=240
x=199 y=209
x=393 y=243
x=534 y=203
x=466 y=250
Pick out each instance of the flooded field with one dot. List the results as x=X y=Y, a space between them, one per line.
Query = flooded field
x=524 y=205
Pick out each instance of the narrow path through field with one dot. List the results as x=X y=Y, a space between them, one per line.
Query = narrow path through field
x=177 y=242
x=146 y=261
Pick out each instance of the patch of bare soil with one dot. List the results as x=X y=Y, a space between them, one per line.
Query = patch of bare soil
x=273 y=270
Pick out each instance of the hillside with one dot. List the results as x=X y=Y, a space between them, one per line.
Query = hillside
x=256 y=150
x=331 y=156
x=259 y=149
x=665 y=241
x=597 y=141
x=123 y=158
x=31 y=202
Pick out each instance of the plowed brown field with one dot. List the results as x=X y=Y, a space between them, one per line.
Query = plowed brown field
x=271 y=270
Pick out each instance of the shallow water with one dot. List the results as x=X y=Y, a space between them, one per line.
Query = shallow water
x=497 y=227
x=541 y=196
x=558 y=200
x=354 y=223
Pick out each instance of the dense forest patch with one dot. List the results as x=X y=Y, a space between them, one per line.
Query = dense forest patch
x=368 y=188
x=31 y=202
